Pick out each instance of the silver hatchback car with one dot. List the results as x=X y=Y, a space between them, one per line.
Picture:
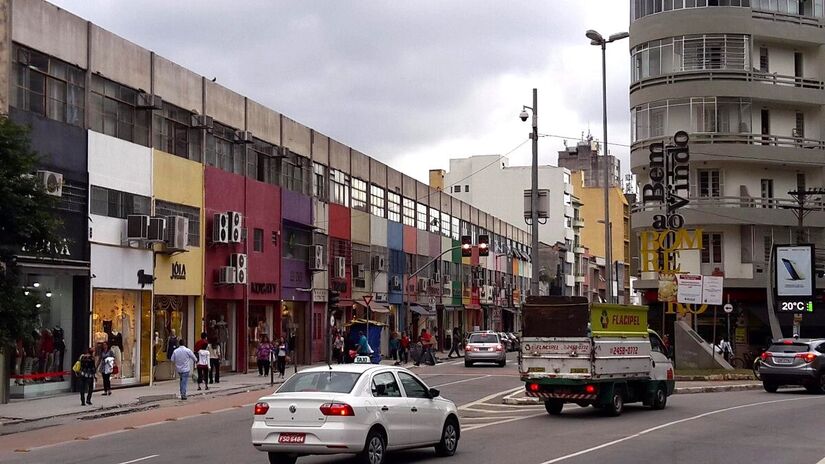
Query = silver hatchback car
x=794 y=361
x=485 y=347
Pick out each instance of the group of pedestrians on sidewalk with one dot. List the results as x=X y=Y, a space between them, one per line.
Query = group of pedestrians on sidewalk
x=267 y=351
x=207 y=361
x=86 y=368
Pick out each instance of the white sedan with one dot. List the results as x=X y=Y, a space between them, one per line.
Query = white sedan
x=363 y=409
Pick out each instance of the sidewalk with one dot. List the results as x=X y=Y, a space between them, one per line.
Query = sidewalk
x=123 y=399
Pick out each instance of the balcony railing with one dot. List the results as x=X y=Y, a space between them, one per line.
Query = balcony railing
x=728 y=75
x=750 y=139
x=732 y=202
x=786 y=18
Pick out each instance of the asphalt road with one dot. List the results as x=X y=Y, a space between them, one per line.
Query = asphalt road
x=731 y=427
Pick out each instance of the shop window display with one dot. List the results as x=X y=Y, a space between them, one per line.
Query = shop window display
x=258 y=329
x=113 y=321
x=219 y=328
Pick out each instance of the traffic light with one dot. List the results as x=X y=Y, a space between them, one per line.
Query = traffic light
x=484 y=245
x=333 y=299
x=466 y=246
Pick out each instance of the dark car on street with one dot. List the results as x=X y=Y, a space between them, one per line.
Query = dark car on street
x=794 y=361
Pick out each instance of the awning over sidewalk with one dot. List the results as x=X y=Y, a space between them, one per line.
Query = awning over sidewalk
x=512 y=310
x=420 y=310
x=453 y=308
x=345 y=304
x=379 y=308
x=472 y=306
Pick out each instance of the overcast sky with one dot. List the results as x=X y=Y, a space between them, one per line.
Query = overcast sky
x=411 y=83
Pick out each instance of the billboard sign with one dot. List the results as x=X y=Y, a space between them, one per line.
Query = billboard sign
x=795 y=278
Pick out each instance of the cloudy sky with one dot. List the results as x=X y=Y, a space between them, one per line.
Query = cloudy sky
x=412 y=83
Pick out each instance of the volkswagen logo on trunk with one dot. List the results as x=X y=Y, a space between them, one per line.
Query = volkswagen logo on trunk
x=292 y=408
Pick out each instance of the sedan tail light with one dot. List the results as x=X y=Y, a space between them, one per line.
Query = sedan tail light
x=261 y=408
x=765 y=355
x=499 y=348
x=337 y=409
x=807 y=357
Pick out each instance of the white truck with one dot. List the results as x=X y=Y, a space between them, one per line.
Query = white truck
x=592 y=354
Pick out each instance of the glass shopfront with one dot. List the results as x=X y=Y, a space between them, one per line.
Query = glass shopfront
x=116 y=321
x=220 y=326
x=170 y=323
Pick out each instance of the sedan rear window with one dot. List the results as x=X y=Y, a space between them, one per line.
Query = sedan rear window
x=333 y=382
x=782 y=348
x=483 y=338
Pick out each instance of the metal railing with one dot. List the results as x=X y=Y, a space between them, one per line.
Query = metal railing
x=750 y=139
x=728 y=75
x=786 y=18
x=732 y=202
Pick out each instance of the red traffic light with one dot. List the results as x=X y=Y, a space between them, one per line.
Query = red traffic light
x=466 y=246
x=484 y=245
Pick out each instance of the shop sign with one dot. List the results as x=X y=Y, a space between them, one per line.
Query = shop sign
x=60 y=248
x=795 y=278
x=669 y=181
x=261 y=287
x=178 y=271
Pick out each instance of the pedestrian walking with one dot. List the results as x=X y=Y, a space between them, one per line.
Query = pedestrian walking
x=182 y=357
x=364 y=348
x=202 y=343
x=338 y=348
x=395 y=344
x=106 y=367
x=281 y=360
x=171 y=346
x=214 y=361
x=86 y=376
x=456 y=344
x=203 y=367
x=426 y=348
x=263 y=353
x=403 y=349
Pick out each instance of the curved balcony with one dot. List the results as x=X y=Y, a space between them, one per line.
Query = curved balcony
x=717 y=146
x=734 y=210
x=707 y=75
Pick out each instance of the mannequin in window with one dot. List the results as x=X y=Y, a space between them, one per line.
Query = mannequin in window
x=59 y=349
x=223 y=336
x=115 y=341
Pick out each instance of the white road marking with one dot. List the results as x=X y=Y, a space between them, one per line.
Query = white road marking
x=481 y=426
x=461 y=381
x=144 y=458
x=821 y=461
x=488 y=398
x=666 y=425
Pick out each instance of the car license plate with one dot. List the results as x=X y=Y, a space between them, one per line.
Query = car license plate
x=484 y=349
x=578 y=370
x=292 y=438
x=783 y=360
x=535 y=369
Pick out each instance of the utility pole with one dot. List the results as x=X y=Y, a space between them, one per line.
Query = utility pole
x=534 y=194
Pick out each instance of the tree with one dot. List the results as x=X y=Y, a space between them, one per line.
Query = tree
x=27 y=222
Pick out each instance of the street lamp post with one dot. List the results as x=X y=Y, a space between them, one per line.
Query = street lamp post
x=534 y=193
x=598 y=40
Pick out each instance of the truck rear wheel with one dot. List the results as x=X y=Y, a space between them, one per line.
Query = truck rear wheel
x=616 y=404
x=553 y=407
x=659 y=398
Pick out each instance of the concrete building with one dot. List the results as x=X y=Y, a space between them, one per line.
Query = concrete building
x=745 y=79
x=188 y=208
x=585 y=157
x=489 y=182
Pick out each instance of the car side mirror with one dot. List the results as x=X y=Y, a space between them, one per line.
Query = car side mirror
x=434 y=393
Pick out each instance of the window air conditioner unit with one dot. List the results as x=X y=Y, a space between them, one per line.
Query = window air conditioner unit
x=422 y=284
x=157 y=229
x=227 y=275
x=436 y=278
x=137 y=227
x=220 y=228
x=318 y=260
x=381 y=297
x=448 y=291
x=360 y=271
x=202 y=121
x=148 y=101
x=52 y=182
x=235 y=226
x=340 y=267
x=379 y=263
x=177 y=232
x=239 y=261
x=243 y=136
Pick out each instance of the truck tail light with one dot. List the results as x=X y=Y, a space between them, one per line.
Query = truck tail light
x=533 y=387
x=590 y=389
x=337 y=409
x=261 y=408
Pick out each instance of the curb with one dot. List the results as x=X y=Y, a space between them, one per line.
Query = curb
x=525 y=401
x=712 y=378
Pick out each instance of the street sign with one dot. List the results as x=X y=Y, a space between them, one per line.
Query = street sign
x=712 y=289
x=728 y=308
x=689 y=288
x=367 y=299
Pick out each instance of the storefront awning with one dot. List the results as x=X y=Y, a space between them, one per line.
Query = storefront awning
x=512 y=310
x=454 y=308
x=379 y=308
x=418 y=309
x=345 y=304
x=472 y=306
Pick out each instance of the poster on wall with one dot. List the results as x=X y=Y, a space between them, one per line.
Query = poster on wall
x=668 y=288
x=712 y=289
x=794 y=271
